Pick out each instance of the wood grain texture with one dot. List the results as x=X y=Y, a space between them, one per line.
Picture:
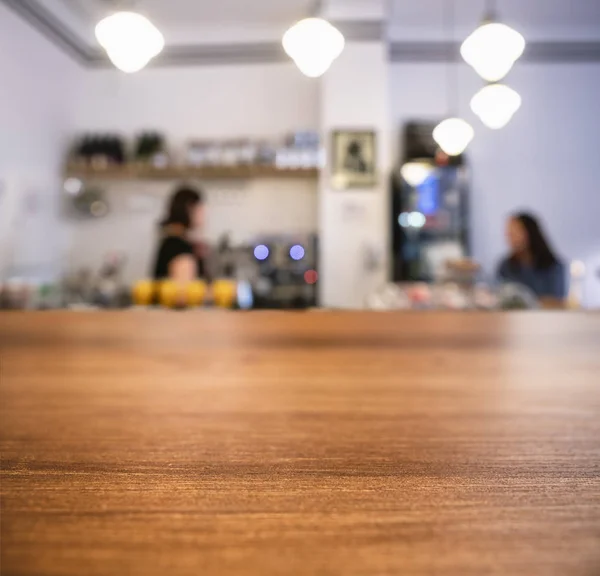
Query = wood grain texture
x=300 y=443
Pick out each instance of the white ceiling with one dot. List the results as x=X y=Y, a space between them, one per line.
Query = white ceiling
x=547 y=19
x=202 y=12
x=409 y=12
x=528 y=12
x=199 y=22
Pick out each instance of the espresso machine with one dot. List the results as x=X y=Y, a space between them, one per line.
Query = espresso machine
x=285 y=271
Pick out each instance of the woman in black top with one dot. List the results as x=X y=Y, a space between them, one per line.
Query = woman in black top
x=176 y=259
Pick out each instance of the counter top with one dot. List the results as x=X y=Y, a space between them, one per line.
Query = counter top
x=300 y=443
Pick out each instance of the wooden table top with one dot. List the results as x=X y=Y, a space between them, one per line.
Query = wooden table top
x=300 y=443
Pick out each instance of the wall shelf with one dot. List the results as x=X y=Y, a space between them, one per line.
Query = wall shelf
x=141 y=172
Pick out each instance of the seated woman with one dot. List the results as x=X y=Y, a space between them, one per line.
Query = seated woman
x=531 y=261
x=176 y=259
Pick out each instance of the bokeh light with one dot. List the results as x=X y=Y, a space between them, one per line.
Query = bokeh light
x=73 y=186
x=311 y=276
x=416 y=219
x=261 y=252
x=297 y=252
x=403 y=220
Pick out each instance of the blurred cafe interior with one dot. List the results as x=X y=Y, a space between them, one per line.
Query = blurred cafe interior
x=299 y=287
x=387 y=165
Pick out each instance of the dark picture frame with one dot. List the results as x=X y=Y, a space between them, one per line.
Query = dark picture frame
x=354 y=159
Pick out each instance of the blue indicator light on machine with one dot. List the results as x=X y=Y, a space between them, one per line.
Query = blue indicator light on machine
x=261 y=252
x=297 y=252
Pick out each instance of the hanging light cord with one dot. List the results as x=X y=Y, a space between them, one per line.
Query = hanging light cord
x=121 y=5
x=490 y=10
x=452 y=71
x=317 y=9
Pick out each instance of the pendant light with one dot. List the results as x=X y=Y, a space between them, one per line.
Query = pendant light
x=495 y=104
x=415 y=172
x=493 y=48
x=130 y=40
x=454 y=134
x=313 y=44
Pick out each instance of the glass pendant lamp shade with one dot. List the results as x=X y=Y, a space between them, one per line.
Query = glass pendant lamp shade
x=313 y=44
x=453 y=135
x=416 y=172
x=492 y=50
x=130 y=40
x=495 y=105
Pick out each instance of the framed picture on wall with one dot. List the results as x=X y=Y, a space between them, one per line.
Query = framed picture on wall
x=354 y=159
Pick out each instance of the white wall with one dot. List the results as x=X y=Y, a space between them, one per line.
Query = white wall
x=36 y=97
x=200 y=102
x=224 y=102
x=543 y=161
x=353 y=234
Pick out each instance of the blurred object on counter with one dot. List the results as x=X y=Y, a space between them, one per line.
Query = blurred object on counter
x=143 y=293
x=109 y=290
x=463 y=270
x=171 y=294
x=180 y=296
x=14 y=294
x=195 y=294
x=30 y=294
x=283 y=271
x=225 y=258
x=50 y=297
x=388 y=297
x=224 y=293
x=516 y=297
x=452 y=296
x=79 y=287
x=245 y=297
x=484 y=297
x=576 y=282
x=420 y=295
x=440 y=296
x=549 y=303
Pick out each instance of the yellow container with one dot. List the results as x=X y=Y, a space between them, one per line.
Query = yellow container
x=225 y=293
x=143 y=292
x=195 y=293
x=170 y=294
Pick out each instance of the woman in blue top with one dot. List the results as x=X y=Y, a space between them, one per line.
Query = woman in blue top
x=532 y=262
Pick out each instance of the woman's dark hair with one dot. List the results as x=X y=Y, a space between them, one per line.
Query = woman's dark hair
x=180 y=205
x=541 y=254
